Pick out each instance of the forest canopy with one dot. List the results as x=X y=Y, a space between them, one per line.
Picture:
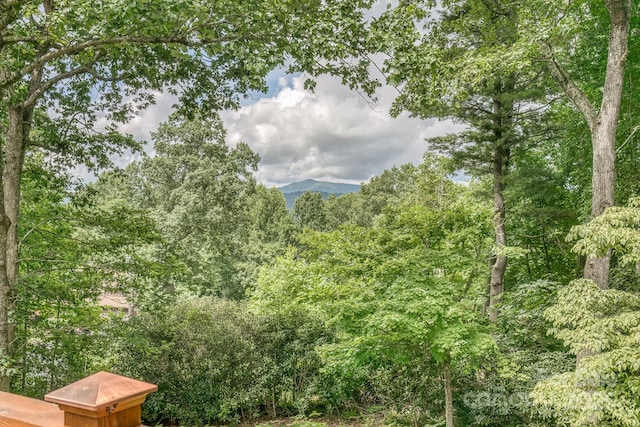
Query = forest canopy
x=511 y=299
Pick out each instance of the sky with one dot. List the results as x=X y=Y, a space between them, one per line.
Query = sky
x=331 y=134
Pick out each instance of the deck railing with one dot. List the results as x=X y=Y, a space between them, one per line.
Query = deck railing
x=100 y=400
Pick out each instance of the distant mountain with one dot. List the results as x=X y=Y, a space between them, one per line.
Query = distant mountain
x=319 y=186
x=295 y=189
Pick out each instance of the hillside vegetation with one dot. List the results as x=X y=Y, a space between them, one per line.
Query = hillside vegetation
x=413 y=299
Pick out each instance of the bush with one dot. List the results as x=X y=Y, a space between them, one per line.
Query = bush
x=214 y=361
x=292 y=366
x=201 y=355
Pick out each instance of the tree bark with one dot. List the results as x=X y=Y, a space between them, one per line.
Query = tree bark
x=19 y=126
x=499 y=162
x=9 y=207
x=6 y=323
x=15 y=149
x=603 y=131
x=603 y=124
x=500 y=265
x=448 y=393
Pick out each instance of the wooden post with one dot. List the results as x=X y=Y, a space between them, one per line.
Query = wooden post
x=102 y=400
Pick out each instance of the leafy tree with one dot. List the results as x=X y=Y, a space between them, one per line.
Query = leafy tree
x=543 y=208
x=216 y=221
x=309 y=211
x=65 y=65
x=200 y=192
x=600 y=328
x=271 y=230
x=292 y=372
x=201 y=355
x=603 y=119
x=270 y=216
x=590 y=73
x=410 y=282
x=598 y=82
x=391 y=187
x=434 y=58
x=216 y=360
x=382 y=190
x=603 y=388
x=73 y=249
x=526 y=355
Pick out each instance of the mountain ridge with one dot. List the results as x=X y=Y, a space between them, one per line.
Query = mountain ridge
x=326 y=188
x=319 y=186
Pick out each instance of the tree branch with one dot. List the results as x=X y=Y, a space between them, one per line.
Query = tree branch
x=33 y=97
x=10 y=3
x=79 y=47
x=573 y=92
x=100 y=77
x=35 y=227
x=13 y=40
x=628 y=138
x=497 y=9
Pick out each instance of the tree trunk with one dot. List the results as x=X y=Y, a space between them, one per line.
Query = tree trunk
x=499 y=266
x=19 y=117
x=7 y=294
x=448 y=393
x=11 y=174
x=603 y=124
x=501 y=120
x=19 y=126
x=603 y=131
x=6 y=301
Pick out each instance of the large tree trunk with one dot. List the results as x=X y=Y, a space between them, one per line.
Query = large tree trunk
x=19 y=127
x=500 y=265
x=603 y=130
x=603 y=187
x=19 y=116
x=10 y=201
x=7 y=300
x=11 y=176
x=603 y=124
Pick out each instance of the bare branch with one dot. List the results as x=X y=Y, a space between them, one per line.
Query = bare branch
x=635 y=129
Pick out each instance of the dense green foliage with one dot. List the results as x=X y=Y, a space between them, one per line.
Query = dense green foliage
x=395 y=299
x=217 y=361
x=74 y=249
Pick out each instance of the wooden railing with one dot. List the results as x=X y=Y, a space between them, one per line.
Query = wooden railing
x=100 y=400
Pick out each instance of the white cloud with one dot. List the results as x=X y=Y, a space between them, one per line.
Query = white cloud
x=147 y=121
x=330 y=134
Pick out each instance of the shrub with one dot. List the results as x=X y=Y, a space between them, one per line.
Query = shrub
x=201 y=354
x=214 y=361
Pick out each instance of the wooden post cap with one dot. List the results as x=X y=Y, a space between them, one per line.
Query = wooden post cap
x=102 y=396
